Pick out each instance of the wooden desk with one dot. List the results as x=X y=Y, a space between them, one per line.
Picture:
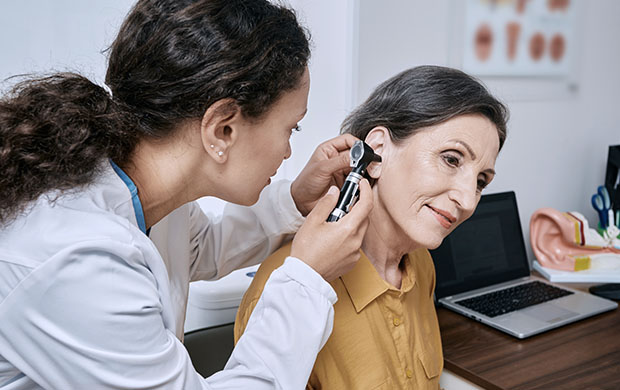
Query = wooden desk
x=582 y=355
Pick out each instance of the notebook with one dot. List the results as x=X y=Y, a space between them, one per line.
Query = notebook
x=483 y=273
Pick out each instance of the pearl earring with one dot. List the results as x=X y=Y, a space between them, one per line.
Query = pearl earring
x=219 y=152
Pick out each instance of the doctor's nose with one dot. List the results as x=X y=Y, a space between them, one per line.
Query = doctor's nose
x=288 y=151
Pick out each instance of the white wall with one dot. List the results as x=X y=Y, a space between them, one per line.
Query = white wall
x=60 y=35
x=557 y=142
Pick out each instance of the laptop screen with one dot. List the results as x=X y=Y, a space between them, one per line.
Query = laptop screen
x=486 y=249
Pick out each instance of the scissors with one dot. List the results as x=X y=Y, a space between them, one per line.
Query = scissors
x=602 y=204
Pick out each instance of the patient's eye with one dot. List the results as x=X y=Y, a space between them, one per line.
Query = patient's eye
x=452 y=159
x=482 y=184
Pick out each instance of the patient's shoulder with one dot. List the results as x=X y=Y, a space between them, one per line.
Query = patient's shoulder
x=267 y=267
x=253 y=293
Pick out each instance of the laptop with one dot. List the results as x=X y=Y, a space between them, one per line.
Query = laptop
x=483 y=273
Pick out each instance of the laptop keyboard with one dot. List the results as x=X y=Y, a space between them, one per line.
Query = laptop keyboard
x=514 y=298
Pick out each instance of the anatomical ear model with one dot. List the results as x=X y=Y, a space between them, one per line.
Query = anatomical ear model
x=565 y=241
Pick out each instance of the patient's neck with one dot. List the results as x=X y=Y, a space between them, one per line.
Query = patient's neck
x=385 y=245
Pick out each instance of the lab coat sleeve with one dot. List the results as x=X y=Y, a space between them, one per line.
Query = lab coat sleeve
x=288 y=327
x=242 y=236
x=92 y=319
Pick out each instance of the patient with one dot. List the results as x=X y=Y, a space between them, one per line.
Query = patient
x=438 y=132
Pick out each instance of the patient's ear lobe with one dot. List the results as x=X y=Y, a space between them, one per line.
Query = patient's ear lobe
x=377 y=139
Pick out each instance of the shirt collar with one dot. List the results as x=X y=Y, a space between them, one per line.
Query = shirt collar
x=364 y=284
x=137 y=205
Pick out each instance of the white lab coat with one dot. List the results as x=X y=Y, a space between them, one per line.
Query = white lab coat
x=87 y=301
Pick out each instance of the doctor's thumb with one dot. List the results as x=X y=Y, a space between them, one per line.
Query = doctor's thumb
x=325 y=205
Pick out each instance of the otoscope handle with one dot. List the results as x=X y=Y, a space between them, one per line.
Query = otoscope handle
x=348 y=195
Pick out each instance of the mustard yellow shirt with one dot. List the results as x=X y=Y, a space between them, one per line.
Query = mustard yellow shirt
x=383 y=337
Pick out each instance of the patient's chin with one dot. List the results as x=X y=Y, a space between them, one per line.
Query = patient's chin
x=434 y=245
x=430 y=243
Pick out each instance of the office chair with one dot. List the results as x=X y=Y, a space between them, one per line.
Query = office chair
x=210 y=348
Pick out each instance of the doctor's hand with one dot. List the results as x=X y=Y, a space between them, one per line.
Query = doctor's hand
x=332 y=248
x=328 y=166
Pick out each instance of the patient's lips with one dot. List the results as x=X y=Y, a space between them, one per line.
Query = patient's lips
x=444 y=218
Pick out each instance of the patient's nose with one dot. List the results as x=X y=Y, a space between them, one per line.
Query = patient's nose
x=465 y=194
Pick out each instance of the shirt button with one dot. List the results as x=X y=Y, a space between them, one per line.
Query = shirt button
x=396 y=321
x=409 y=373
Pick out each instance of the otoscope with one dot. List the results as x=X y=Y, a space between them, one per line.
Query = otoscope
x=361 y=156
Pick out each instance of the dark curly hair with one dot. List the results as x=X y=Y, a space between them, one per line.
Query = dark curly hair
x=170 y=61
x=425 y=96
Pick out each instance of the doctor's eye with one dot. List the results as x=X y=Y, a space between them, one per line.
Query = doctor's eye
x=482 y=184
x=297 y=128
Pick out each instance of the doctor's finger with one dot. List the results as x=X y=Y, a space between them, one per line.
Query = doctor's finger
x=324 y=207
x=336 y=165
x=360 y=210
x=338 y=144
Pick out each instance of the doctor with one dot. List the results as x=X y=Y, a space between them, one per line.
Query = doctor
x=99 y=237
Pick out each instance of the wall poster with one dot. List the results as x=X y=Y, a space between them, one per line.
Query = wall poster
x=519 y=37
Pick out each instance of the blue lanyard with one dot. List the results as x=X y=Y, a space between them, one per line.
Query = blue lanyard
x=137 y=206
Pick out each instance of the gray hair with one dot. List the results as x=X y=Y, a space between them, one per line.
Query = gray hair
x=424 y=96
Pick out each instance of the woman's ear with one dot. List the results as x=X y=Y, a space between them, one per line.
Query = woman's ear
x=219 y=128
x=377 y=139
